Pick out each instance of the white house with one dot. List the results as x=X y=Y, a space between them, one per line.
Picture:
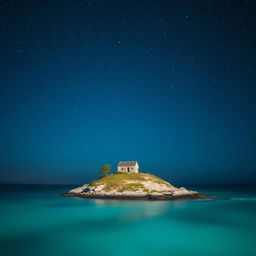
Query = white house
x=130 y=167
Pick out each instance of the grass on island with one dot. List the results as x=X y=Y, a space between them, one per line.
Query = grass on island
x=127 y=182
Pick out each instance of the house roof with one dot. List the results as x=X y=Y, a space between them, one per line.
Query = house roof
x=130 y=163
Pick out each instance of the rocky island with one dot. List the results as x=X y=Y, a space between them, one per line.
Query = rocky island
x=136 y=186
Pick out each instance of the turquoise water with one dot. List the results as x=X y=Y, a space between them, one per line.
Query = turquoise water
x=36 y=220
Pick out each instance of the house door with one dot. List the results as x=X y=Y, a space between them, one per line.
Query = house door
x=128 y=169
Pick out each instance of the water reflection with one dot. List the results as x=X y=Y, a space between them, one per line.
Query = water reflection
x=134 y=210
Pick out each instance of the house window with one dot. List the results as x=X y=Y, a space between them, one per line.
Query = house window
x=122 y=168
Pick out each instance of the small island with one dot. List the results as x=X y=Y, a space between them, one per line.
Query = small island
x=129 y=183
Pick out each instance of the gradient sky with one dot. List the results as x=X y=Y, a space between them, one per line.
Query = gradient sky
x=171 y=84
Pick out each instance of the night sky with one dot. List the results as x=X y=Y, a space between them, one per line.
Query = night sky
x=171 y=84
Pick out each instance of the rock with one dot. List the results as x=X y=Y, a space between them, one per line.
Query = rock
x=156 y=194
x=99 y=188
x=182 y=191
x=153 y=186
x=79 y=189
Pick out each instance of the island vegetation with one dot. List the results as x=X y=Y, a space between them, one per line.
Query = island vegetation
x=106 y=169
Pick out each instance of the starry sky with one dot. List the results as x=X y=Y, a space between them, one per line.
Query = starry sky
x=171 y=84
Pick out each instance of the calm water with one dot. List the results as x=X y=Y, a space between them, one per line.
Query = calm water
x=35 y=220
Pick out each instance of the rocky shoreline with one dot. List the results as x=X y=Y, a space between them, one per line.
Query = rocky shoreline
x=139 y=197
x=97 y=192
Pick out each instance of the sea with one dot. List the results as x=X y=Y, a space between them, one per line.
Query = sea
x=37 y=220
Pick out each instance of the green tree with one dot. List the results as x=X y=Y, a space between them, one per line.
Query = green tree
x=105 y=169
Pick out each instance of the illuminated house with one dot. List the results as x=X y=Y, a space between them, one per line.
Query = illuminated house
x=129 y=167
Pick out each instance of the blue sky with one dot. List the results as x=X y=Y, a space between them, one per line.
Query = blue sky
x=168 y=83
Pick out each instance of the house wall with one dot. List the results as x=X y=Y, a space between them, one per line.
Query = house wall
x=132 y=169
x=136 y=168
